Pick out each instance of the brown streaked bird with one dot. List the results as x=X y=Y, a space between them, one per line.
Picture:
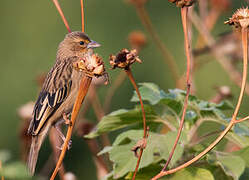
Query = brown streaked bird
x=59 y=90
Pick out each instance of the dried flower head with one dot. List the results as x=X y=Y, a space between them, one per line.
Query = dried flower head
x=240 y=18
x=221 y=5
x=138 y=3
x=124 y=59
x=137 y=39
x=182 y=3
x=92 y=65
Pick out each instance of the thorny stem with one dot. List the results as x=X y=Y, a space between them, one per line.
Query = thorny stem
x=165 y=52
x=232 y=122
x=129 y=74
x=112 y=89
x=84 y=85
x=57 y=5
x=184 y=13
x=82 y=16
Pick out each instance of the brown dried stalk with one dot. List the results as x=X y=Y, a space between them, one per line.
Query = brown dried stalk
x=184 y=13
x=124 y=59
x=84 y=85
x=243 y=22
x=82 y=16
x=57 y=5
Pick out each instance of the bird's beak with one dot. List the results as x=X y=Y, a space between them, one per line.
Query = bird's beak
x=93 y=44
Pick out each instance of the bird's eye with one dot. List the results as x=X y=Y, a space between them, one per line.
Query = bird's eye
x=82 y=43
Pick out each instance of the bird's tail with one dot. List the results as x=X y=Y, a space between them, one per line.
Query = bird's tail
x=33 y=153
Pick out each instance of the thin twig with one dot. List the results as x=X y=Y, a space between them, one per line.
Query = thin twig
x=168 y=57
x=243 y=119
x=232 y=122
x=56 y=3
x=129 y=74
x=184 y=13
x=82 y=16
x=84 y=85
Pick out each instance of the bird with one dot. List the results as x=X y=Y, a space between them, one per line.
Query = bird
x=59 y=91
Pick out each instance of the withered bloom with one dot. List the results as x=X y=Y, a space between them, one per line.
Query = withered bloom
x=182 y=3
x=240 y=18
x=124 y=59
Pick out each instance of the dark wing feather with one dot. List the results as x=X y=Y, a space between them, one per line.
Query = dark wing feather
x=55 y=90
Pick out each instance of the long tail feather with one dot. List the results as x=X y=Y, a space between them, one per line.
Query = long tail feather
x=33 y=153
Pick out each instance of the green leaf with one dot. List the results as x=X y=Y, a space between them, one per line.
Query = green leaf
x=157 y=149
x=149 y=92
x=192 y=173
x=15 y=170
x=244 y=154
x=121 y=119
x=232 y=165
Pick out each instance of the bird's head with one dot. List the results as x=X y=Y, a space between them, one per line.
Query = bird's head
x=75 y=44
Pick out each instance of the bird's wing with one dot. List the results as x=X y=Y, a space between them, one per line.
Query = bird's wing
x=56 y=89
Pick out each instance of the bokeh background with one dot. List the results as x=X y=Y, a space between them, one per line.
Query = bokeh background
x=31 y=31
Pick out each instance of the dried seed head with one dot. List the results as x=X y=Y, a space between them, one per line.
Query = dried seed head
x=138 y=3
x=124 y=59
x=182 y=3
x=240 y=18
x=221 y=5
x=137 y=39
x=92 y=65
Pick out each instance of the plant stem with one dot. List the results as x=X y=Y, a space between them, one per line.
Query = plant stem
x=57 y=5
x=184 y=13
x=82 y=16
x=232 y=122
x=84 y=85
x=144 y=17
x=129 y=74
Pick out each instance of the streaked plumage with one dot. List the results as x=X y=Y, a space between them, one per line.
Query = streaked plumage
x=59 y=90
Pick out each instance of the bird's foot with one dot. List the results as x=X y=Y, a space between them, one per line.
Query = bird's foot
x=67 y=121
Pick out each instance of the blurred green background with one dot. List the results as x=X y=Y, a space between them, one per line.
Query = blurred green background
x=31 y=31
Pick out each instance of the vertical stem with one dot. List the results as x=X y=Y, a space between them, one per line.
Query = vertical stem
x=82 y=16
x=129 y=74
x=184 y=13
x=244 y=32
x=84 y=85
x=57 y=5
